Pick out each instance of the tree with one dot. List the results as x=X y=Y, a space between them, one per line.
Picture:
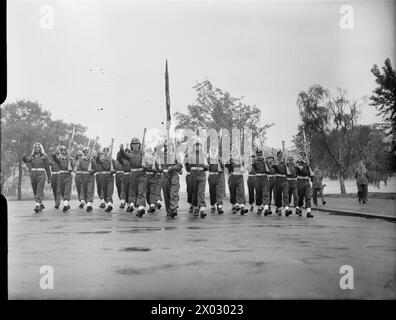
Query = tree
x=384 y=99
x=22 y=124
x=215 y=108
x=331 y=120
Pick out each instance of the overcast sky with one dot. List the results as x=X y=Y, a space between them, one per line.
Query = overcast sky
x=111 y=55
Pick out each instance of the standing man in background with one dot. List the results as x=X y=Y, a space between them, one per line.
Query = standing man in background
x=361 y=177
x=317 y=187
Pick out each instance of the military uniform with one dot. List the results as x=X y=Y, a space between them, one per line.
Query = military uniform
x=152 y=168
x=138 y=179
x=292 y=181
x=304 y=175
x=99 y=185
x=39 y=171
x=282 y=186
x=107 y=167
x=236 y=185
x=251 y=181
x=78 y=177
x=271 y=183
x=126 y=178
x=170 y=182
x=64 y=182
x=188 y=184
x=199 y=166
x=54 y=179
x=215 y=180
x=261 y=184
x=86 y=171
x=119 y=180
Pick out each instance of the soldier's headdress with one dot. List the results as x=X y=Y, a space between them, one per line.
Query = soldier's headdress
x=279 y=153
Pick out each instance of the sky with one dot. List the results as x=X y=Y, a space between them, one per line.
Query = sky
x=101 y=63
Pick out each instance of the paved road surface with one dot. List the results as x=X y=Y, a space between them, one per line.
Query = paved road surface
x=119 y=256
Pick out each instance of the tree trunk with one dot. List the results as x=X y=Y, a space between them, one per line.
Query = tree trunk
x=20 y=180
x=342 y=183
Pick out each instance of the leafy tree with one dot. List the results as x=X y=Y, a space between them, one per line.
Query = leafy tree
x=331 y=120
x=215 y=108
x=384 y=99
x=22 y=124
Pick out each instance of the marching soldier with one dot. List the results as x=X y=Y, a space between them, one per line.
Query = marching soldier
x=126 y=176
x=158 y=175
x=199 y=165
x=107 y=167
x=78 y=178
x=38 y=164
x=304 y=175
x=215 y=181
x=119 y=180
x=54 y=178
x=99 y=184
x=188 y=182
x=292 y=181
x=271 y=183
x=236 y=183
x=86 y=167
x=152 y=168
x=138 y=179
x=282 y=186
x=64 y=182
x=261 y=183
x=251 y=183
x=171 y=168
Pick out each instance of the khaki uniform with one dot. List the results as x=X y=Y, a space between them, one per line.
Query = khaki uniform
x=64 y=182
x=215 y=180
x=126 y=177
x=39 y=171
x=261 y=182
x=87 y=179
x=138 y=179
x=107 y=178
x=199 y=166
x=119 y=180
x=170 y=182
x=251 y=181
x=236 y=183
x=304 y=184
x=54 y=177
x=281 y=186
x=361 y=177
x=292 y=181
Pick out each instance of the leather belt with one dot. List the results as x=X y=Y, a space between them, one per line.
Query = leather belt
x=136 y=169
x=127 y=173
x=165 y=170
x=63 y=171
x=119 y=171
x=52 y=173
x=270 y=175
x=150 y=173
x=281 y=175
x=237 y=173
x=252 y=174
x=197 y=168
x=261 y=174
x=38 y=169
x=292 y=179
x=86 y=172
x=303 y=178
x=214 y=172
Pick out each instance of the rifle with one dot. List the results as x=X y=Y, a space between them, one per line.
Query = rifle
x=111 y=156
x=69 y=166
x=306 y=153
x=144 y=140
x=168 y=115
x=90 y=156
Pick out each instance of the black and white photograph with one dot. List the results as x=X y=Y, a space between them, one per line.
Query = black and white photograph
x=200 y=150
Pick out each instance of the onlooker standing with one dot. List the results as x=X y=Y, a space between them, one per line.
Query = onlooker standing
x=317 y=187
x=362 y=182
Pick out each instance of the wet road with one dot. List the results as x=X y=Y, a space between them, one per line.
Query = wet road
x=120 y=256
